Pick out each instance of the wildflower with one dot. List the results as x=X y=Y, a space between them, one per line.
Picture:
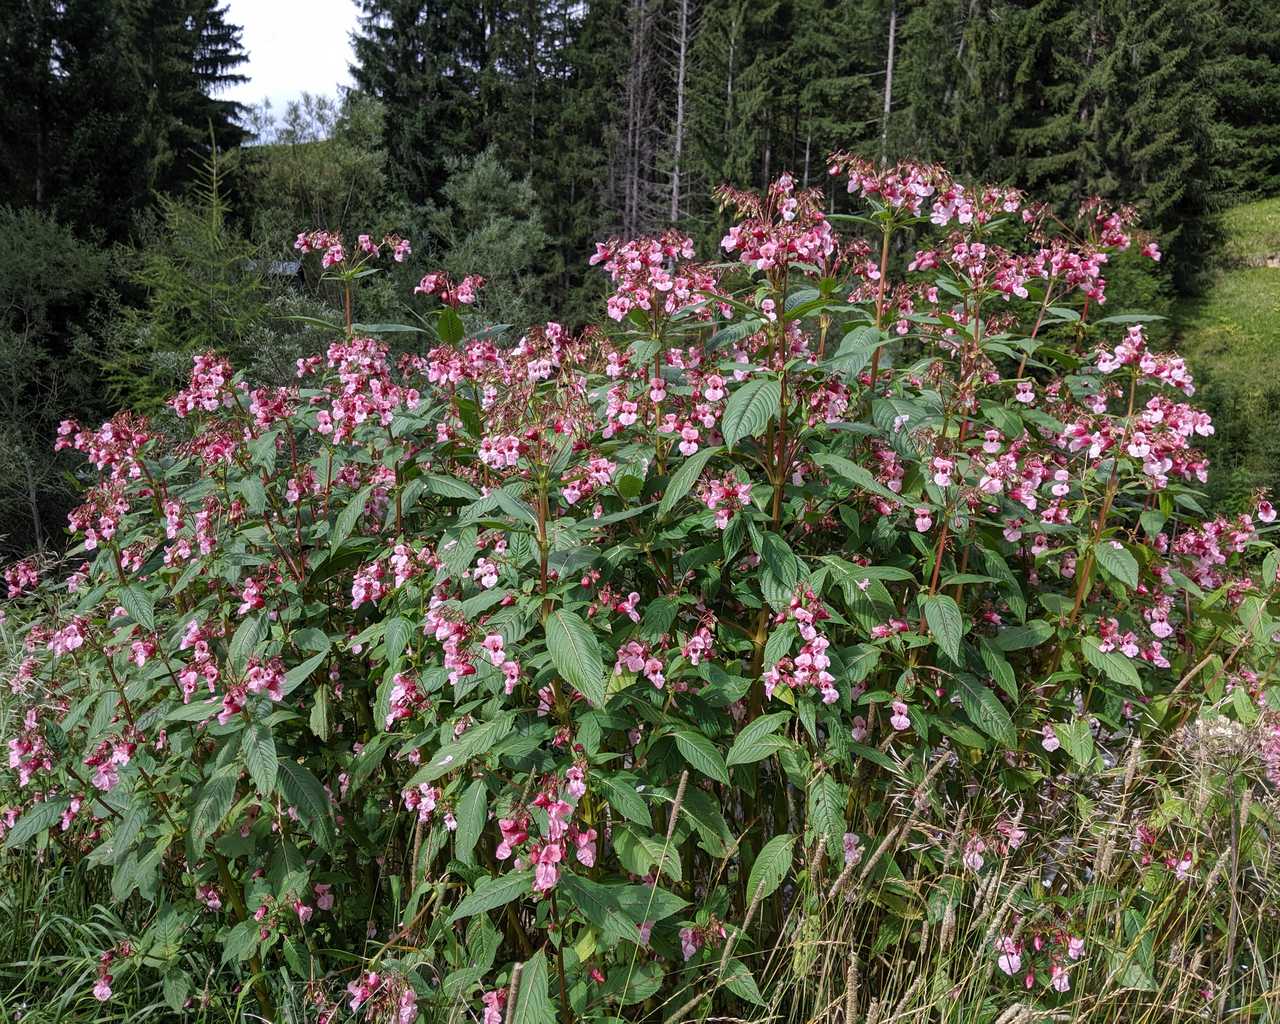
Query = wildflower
x=495 y=1000
x=899 y=719
x=852 y=848
x=1010 y=959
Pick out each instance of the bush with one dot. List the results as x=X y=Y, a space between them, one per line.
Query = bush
x=687 y=665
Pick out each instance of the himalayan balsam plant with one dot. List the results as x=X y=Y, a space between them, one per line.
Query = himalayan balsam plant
x=546 y=677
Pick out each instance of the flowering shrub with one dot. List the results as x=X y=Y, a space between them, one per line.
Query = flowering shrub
x=596 y=652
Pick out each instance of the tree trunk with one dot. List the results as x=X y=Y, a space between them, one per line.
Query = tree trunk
x=682 y=49
x=888 y=82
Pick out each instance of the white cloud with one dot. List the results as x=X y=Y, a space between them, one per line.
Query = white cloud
x=294 y=46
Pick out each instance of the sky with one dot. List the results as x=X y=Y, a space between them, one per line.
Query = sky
x=294 y=46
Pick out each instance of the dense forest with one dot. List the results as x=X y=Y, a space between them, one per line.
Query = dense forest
x=513 y=134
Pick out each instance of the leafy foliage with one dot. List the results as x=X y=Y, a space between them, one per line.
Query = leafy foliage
x=624 y=655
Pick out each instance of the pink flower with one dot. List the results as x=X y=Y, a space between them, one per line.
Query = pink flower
x=1050 y=741
x=1266 y=511
x=924 y=519
x=102 y=989
x=691 y=941
x=1010 y=959
x=852 y=848
x=1058 y=979
x=973 y=851
x=899 y=719
x=494 y=1001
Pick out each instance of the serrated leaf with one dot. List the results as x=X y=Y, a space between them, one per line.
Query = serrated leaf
x=771 y=866
x=349 y=516
x=750 y=409
x=946 y=623
x=576 y=654
x=137 y=602
x=600 y=905
x=683 y=479
x=36 y=819
x=859 y=476
x=471 y=815
x=299 y=674
x=215 y=799
x=1117 y=562
x=303 y=791
x=1017 y=638
x=251 y=632
x=826 y=811
x=395 y=637
x=1077 y=740
x=259 y=749
x=986 y=712
x=702 y=754
x=176 y=986
x=494 y=893
x=623 y=798
x=533 y=1002
x=1115 y=665
x=739 y=980
x=757 y=740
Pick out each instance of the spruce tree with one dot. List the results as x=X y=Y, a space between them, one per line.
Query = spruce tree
x=426 y=62
x=1247 y=84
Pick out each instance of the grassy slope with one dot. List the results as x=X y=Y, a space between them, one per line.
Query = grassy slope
x=1231 y=338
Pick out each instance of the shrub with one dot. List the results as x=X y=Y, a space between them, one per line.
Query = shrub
x=632 y=656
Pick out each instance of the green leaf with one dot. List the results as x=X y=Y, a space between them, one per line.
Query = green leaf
x=349 y=516
x=704 y=811
x=259 y=750
x=986 y=712
x=299 y=674
x=1117 y=562
x=780 y=559
x=176 y=985
x=739 y=980
x=450 y=487
x=251 y=632
x=826 y=811
x=576 y=654
x=137 y=602
x=215 y=799
x=494 y=893
x=533 y=1001
x=1017 y=638
x=471 y=814
x=1076 y=740
x=856 y=349
x=749 y=409
x=1115 y=665
x=395 y=637
x=683 y=479
x=772 y=864
x=450 y=327
x=599 y=904
x=859 y=476
x=303 y=791
x=623 y=798
x=39 y=818
x=702 y=754
x=757 y=740
x=946 y=623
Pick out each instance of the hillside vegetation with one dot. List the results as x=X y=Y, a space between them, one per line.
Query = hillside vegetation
x=1231 y=337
